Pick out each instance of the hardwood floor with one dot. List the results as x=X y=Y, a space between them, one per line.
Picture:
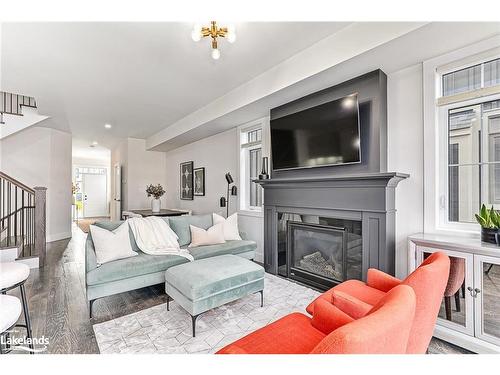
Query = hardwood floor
x=59 y=310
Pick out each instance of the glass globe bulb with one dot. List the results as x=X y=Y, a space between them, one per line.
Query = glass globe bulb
x=215 y=54
x=196 y=35
x=231 y=37
x=197 y=28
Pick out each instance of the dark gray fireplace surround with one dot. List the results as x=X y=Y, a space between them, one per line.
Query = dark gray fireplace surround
x=357 y=201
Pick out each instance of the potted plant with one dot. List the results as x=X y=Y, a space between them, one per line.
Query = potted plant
x=490 y=223
x=156 y=192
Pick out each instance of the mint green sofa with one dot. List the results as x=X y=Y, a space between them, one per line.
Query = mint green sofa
x=145 y=270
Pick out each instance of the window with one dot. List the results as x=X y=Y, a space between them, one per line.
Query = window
x=472 y=78
x=461 y=144
x=473 y=159
x=251 y=147
x=470 y=150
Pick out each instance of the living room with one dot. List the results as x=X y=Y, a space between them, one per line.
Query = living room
x=228 y=183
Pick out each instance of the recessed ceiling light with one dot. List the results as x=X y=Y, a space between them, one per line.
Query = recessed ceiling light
x=108 y=126
x=94 y=144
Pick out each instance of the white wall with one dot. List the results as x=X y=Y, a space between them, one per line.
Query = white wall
x=219 y=154
x=42 y=157
x=144 y=168
x=139 y=169
x=405 y=154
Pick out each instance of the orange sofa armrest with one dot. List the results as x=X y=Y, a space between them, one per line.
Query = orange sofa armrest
x=350 y=305
x=327 y=318
x=380 y=280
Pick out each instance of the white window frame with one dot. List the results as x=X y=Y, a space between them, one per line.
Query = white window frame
x=244 y=165
x=436 y=135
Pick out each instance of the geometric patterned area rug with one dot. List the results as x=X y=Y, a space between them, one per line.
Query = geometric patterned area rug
x=156 y=330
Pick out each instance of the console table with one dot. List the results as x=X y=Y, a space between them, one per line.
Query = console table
x=163 y=212
x=470 y=317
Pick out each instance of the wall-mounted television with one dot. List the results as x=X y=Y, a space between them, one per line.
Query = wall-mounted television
x=327 y=134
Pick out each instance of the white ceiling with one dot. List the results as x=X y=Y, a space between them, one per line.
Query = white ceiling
x=139 y=77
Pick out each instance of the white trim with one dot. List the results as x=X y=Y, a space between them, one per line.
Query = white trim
x=58 y=236
x=251 y=213
x=431 y=92
x=465 y=341
x=243 y=149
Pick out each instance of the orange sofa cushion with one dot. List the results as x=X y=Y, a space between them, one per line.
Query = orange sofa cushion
x=355 y=288
x=352 y=306
x=328 y=317
x=292 y=334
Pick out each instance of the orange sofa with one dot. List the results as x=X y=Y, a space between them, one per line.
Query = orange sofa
x=428 y=281
x=384 y=329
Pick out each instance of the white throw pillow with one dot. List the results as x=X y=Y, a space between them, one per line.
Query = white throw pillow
x=231 y=232
x=111 y=245
x=212 y=236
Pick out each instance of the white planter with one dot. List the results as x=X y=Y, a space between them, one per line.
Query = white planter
x=155 y=205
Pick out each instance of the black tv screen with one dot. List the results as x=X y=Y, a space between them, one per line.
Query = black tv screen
x=327 y=134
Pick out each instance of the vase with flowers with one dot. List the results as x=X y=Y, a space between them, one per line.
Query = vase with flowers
x=155 y=191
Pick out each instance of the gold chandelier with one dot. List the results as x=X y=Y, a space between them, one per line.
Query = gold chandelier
x=214 y=32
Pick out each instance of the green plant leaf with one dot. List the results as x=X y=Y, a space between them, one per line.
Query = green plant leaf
x=481 y=221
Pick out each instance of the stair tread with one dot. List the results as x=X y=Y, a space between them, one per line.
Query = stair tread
x=12 y=243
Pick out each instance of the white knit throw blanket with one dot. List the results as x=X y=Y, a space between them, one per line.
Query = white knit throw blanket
x=154 y=237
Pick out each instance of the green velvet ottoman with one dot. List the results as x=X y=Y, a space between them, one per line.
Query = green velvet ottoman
x=208 y=283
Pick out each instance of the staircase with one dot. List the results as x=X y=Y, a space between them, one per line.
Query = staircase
x=17 y=112
x=22 y=222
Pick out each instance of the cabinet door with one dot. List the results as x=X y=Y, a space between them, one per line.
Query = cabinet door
x=457 y=307
x=487 y=301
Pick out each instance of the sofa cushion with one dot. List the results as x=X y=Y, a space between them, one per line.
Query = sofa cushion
x=229 y=247
x=180 y=225
x=142 y=264
x=292 y=334
x=209 y=277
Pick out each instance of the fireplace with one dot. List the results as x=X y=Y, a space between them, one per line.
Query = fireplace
x=324 y=230
x=317 y=250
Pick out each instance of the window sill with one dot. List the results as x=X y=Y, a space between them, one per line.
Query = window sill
x=251 y=213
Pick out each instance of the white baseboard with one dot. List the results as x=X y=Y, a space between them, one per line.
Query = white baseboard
x=58 y=236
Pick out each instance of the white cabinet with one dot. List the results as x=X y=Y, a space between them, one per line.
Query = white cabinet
x=487 y=301
x=470 y=311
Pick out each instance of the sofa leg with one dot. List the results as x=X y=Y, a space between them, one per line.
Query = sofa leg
x=168 y=302
x=457 y=301
x=447 y=307
x=261 y=298
x=91 y=303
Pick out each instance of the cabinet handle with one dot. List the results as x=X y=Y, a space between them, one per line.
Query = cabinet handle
x=472 y=292
x=477 y=290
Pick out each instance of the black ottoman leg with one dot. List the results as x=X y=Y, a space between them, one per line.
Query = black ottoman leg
x=193 y=318
x=261 y=298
